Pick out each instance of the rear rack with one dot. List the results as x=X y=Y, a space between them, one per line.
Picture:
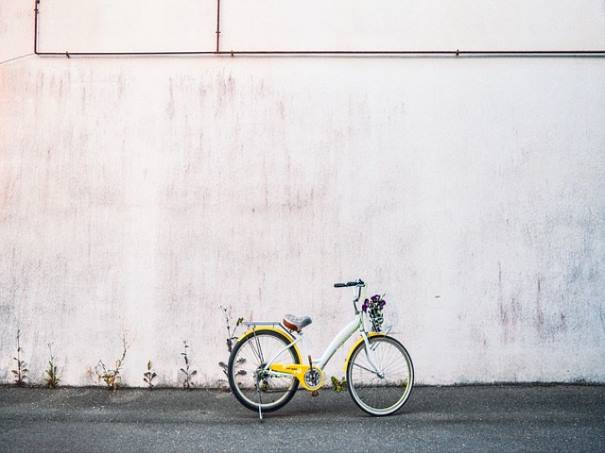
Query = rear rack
x=253 y=324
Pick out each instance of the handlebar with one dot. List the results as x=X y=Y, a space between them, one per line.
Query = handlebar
x=359 y=283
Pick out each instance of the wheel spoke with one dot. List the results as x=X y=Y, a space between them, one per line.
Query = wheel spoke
x=255 y=351
x=364 y=368
x=260 y=350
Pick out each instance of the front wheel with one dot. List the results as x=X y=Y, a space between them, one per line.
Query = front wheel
x=380 y=382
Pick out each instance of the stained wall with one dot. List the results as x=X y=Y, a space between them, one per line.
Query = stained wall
x=137 y=194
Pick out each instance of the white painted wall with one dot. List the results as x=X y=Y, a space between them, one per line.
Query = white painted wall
x=137 y=194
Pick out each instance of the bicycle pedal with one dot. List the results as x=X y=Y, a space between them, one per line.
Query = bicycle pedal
x=315 y=393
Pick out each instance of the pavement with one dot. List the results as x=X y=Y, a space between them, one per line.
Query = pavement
x=466 y=418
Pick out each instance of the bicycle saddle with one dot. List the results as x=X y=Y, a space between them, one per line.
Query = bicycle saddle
x=296 y=323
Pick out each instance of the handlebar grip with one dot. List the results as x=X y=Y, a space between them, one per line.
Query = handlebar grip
x=348 y=284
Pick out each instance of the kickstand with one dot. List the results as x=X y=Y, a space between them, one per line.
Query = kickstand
x=260 y=403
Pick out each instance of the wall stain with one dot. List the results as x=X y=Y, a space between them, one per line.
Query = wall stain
x=510 y=309
x=501 y=308
x=539 y=309
x=83 y=97
x=170 y=106
x=120 y=85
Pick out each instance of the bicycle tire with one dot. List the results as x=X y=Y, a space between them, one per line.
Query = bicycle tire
x=351 y=385
x=235 y=389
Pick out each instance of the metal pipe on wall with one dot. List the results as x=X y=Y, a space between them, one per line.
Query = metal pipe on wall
x=583 y=53
x=354 y=53
x=218 y=25
x=36 y=2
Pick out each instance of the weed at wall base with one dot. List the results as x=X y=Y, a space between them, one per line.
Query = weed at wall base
x=149 y=375
x=52 y=379
x=112 y=376
x=187 y=382
x=231 y=337
x=20 y=372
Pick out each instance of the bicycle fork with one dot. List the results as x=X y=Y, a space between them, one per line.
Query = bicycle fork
x=370 y=355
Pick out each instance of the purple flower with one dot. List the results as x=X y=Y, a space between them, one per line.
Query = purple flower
x=373 y=305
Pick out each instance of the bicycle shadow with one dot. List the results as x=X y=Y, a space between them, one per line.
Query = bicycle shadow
x=335 y=406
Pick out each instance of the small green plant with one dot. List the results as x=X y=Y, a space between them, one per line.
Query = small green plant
x=112 y=376
x=52 y=379
x=20 y=372
x=230 y=332
x=339 y=385
x=186 y=370
x=230 y=335
x=149 y=375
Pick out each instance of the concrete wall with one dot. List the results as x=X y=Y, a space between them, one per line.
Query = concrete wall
x=138 y=194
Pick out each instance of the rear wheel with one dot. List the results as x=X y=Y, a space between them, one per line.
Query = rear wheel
x=384 y=389
x=250 y=385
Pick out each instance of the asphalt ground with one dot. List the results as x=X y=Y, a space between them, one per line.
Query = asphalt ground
x=467 y=418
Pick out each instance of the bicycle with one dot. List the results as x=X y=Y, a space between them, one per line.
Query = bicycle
x=265 y=366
